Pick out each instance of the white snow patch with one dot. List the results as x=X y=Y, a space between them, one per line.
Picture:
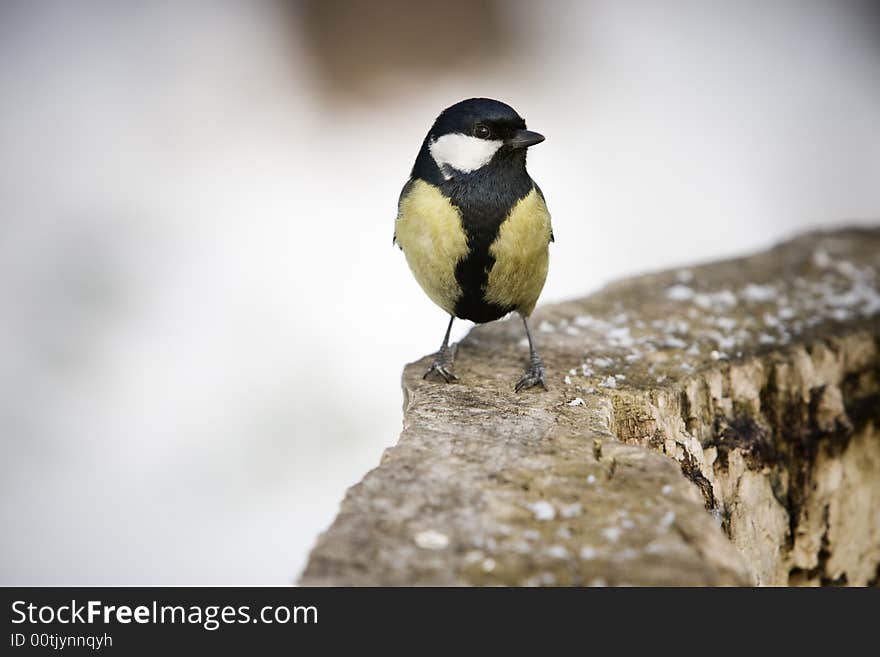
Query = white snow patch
x=667 y=520
x=821 y=258
x=674 y=343
x=848 y=269
x=543 y=510
x=724 y=298
x=608 y=382
x=572 y=510
x=620 y=337
x=473 y=556
x=557 y=552
x=588 y=553
x=577 y=401
x=771 y=320
x=679 y=293
x=758 y=293
x=724 y=342
x=611 y=533
x=431 y=540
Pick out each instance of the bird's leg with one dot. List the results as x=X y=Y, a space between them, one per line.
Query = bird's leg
x=442 y=364
x=535 y=373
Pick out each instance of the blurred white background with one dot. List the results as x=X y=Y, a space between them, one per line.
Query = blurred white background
x=203 y=319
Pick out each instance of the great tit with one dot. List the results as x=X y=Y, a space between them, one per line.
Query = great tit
x=473 y=225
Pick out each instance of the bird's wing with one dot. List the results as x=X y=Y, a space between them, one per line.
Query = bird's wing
x=541 y=194
x=403 y=193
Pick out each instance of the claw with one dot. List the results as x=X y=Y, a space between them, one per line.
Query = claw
x=534 y=376
x=442 y=365
x=442 y=369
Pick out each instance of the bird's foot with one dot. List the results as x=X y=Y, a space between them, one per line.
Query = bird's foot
x=442 y=366
x=534 y=376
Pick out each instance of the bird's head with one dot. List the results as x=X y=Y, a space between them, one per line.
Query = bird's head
x=473 y=133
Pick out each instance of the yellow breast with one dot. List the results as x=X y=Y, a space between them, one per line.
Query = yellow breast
x=430 y=233
x=521 y=256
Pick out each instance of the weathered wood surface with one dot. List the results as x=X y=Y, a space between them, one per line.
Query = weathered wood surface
x=705 y=426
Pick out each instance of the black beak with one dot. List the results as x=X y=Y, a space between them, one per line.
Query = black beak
x=524 y=139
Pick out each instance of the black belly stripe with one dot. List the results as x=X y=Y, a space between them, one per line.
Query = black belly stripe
x=472 y=274
x=484 y=198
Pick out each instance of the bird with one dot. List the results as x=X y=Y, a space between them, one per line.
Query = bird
x=473 y=225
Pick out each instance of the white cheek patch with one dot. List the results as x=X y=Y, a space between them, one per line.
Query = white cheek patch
x=462 y=153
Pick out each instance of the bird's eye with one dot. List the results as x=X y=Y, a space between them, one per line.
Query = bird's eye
x=482 y=131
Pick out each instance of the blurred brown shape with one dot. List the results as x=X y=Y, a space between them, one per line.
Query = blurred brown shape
x=355 y=43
